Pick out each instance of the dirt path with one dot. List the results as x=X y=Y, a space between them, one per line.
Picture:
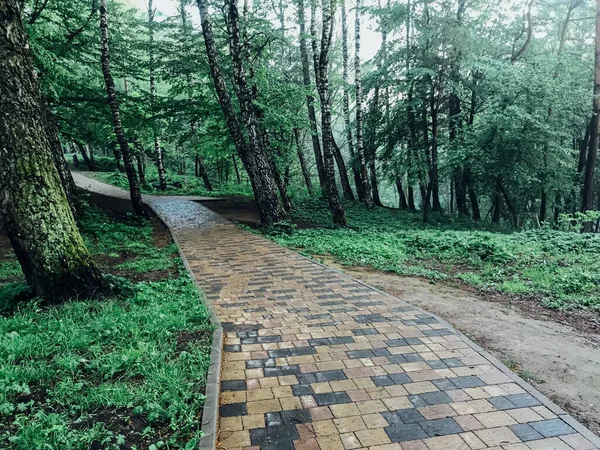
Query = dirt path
x=564 y=363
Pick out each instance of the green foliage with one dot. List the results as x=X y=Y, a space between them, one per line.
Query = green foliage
x=10 y=271
x=559 y=267
x=78 y=375
x=176 y=185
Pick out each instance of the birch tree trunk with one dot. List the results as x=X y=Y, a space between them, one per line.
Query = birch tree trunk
x=302 y=160
x=360 y=153
x=310 y=100
x=158 y=153
x=358 y=181
x=134 y=187
x=337 y=210
x=33 y=205
x=256 y=164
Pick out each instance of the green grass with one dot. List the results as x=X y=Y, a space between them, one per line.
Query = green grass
x=10 y=271
x=77 y=375
x=562 y=268
x=176 y=184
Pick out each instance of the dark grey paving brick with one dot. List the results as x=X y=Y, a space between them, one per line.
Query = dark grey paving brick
x=467 y=382
x=523 y=400
x=436 y=398
x=273 y=419
x=302 y=389
x=405 y=432
x=233 y=385
x=410 y=415
x=382 y=381
x=281 y=371
x=330 y=375
x=294 y=416
x=552 y=428
x=444 y=385
x=441 y=427
x=233 y=409
x=332 y=398
x=525 y=432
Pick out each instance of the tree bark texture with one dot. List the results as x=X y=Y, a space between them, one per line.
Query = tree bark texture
x=358 y=182
x=588 y=180
x=134 y=187
x=256 y=163
x=310 y=100
x=302 y=160
x=337 y=210
x=158 y=153
x=360 y=152
x=33 y=204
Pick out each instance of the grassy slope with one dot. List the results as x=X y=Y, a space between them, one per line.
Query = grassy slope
x=560 y=267
x=120 y=373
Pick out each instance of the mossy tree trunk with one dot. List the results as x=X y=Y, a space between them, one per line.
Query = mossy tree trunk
x=33 y=203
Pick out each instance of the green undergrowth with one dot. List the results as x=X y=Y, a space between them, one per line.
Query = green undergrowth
x=120 y=373
x=560 y=268
x=129 y=239
x=176 y=184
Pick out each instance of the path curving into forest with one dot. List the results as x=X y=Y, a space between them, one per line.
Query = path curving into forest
x=314 y=359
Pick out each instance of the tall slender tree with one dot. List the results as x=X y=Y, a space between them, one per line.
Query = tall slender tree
x=588 y=181
x=310 y=100
x=337 y=210
x=252 y=154
x=358 y=181
x=134 y=186
x=158 y=153
x=33 y=204
x=360 y=153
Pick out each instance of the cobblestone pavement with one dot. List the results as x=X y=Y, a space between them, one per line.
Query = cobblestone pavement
x=315 y=360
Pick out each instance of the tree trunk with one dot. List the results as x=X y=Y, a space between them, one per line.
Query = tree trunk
x=158 y=153
x=497 y=201
x=401 y=196
x=141 y=163
x=86 y=159
x=134 y=187
x=434 y=175
x=346 y=109
x=337 y=210
x=588 y=180
x=411 y=199
x=237 y=170
x=255 y=161
x=455 y=118
x=302 y=160
x=543 y=205
x=59 y=160
x=310 y=100
x=33 y=204
x=468 y=182
x=200 y=169
x=343 y=171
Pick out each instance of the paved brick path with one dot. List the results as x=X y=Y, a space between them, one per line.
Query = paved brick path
x=316 y=360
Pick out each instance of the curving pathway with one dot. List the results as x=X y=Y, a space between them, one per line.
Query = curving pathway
x=315 y=360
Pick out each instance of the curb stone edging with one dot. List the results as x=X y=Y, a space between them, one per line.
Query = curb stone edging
x=210 y=411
